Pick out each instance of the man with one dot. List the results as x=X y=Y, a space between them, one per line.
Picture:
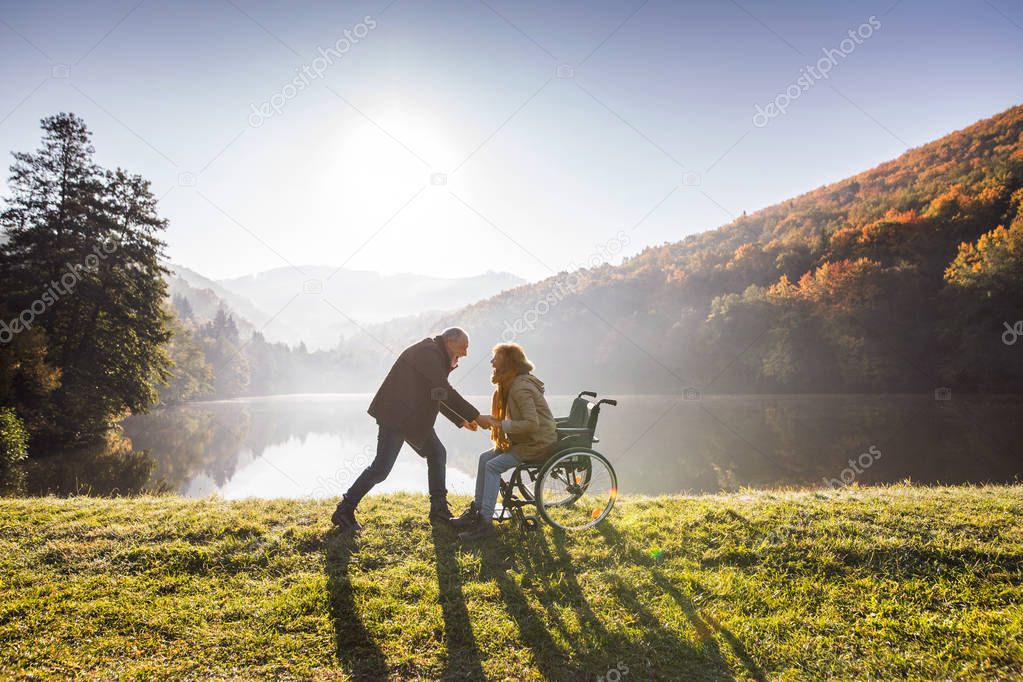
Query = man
x=405 y=408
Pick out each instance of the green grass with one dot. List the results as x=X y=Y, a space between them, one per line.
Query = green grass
x=874 y=583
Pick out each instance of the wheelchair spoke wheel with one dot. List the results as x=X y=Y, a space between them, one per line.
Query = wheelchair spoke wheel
x=526 y=483
x=576 y=489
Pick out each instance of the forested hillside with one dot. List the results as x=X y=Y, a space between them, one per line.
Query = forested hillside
x=901 y=278
x=906 y=277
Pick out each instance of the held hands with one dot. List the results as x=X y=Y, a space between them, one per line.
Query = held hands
x=484 y=420
x=487 y=422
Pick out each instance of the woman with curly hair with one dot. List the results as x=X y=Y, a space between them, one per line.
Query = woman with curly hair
x=522 y=428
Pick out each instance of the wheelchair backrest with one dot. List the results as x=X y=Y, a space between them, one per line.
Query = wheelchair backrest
x=583 y=415
x=579 y=414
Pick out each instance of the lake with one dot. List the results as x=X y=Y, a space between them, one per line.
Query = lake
x=315 y=445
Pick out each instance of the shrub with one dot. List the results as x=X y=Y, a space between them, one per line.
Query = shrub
x=13 y=438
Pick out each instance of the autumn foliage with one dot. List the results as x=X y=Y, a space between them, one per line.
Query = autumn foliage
x=899 y=278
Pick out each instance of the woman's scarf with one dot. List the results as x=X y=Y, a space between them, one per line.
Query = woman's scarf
x=499 y=407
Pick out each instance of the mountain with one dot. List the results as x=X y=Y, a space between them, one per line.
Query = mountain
x=318 y=305
x=904 y=278
x=206 y=297
x=901 y=278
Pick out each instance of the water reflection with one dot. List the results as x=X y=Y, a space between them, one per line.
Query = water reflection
x=109 y=467
x=289 y=446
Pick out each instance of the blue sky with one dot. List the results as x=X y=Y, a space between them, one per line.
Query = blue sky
x=455 y=137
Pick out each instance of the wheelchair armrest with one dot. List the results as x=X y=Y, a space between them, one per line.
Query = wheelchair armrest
x=564 y=431
x=572 y=438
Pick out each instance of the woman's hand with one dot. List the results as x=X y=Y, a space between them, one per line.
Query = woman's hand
x=486 y=421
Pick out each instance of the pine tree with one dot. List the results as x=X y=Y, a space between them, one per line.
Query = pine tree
x=82 y=262
x=222 y=345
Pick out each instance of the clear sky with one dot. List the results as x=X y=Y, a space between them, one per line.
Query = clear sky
x=557 y=126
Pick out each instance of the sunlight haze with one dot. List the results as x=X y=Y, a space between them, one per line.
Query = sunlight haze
x=652 y=128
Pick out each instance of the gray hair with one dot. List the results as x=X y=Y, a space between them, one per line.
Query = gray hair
x=454 y=334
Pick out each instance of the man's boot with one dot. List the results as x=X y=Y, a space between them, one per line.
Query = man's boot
x=440 y=512
x=344 y=515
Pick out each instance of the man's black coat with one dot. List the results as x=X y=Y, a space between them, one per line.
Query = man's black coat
x=417 y=388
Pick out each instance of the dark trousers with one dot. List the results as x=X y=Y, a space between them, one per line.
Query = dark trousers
x=389 y=442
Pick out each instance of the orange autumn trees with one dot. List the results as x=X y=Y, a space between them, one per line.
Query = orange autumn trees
x=900 y=278
x=993 y=263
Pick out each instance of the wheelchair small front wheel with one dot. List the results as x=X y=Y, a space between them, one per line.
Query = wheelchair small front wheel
x=576 y=489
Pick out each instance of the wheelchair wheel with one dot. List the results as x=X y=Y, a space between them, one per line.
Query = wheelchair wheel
x=576 y=489
x=526 y=483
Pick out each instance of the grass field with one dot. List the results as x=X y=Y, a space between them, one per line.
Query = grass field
x=873 y=583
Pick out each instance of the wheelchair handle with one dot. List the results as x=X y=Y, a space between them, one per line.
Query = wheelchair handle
x=608 y=401
x=589 y=394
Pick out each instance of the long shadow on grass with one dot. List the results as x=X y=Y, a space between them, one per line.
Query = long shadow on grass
x=463 y=656
x=705 y=625
x=355 y=649
x=566 y=637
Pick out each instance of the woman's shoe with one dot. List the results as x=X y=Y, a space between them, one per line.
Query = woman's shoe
x=481 y=531
x=469 y=518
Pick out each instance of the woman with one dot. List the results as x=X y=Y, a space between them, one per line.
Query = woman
x=522 y=428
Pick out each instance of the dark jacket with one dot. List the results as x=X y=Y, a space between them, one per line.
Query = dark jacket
x=417 y=388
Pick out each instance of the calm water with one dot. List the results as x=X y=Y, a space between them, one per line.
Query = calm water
x=315 y=445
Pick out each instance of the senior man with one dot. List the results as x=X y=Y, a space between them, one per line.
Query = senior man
x=405 y=408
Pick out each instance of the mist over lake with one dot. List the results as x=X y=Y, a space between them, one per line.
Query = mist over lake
x=315 y=445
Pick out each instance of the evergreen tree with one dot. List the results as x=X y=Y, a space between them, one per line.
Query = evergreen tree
x=82 y=263
x=192 y=376
x=183 y=307
x=222 y=345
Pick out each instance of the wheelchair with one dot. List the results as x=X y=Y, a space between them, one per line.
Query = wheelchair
x=575 y=487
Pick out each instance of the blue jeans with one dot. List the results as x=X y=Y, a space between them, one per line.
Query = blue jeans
x=389 y=442
x=488 y=479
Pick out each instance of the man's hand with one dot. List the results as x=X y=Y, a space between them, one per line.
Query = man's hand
x=472 y=426
x=486 y=421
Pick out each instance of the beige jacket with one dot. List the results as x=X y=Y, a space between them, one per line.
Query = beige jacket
x=528 y=424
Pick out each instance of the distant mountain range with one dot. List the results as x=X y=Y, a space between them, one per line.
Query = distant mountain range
x=902 y=278
x=317 y=304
